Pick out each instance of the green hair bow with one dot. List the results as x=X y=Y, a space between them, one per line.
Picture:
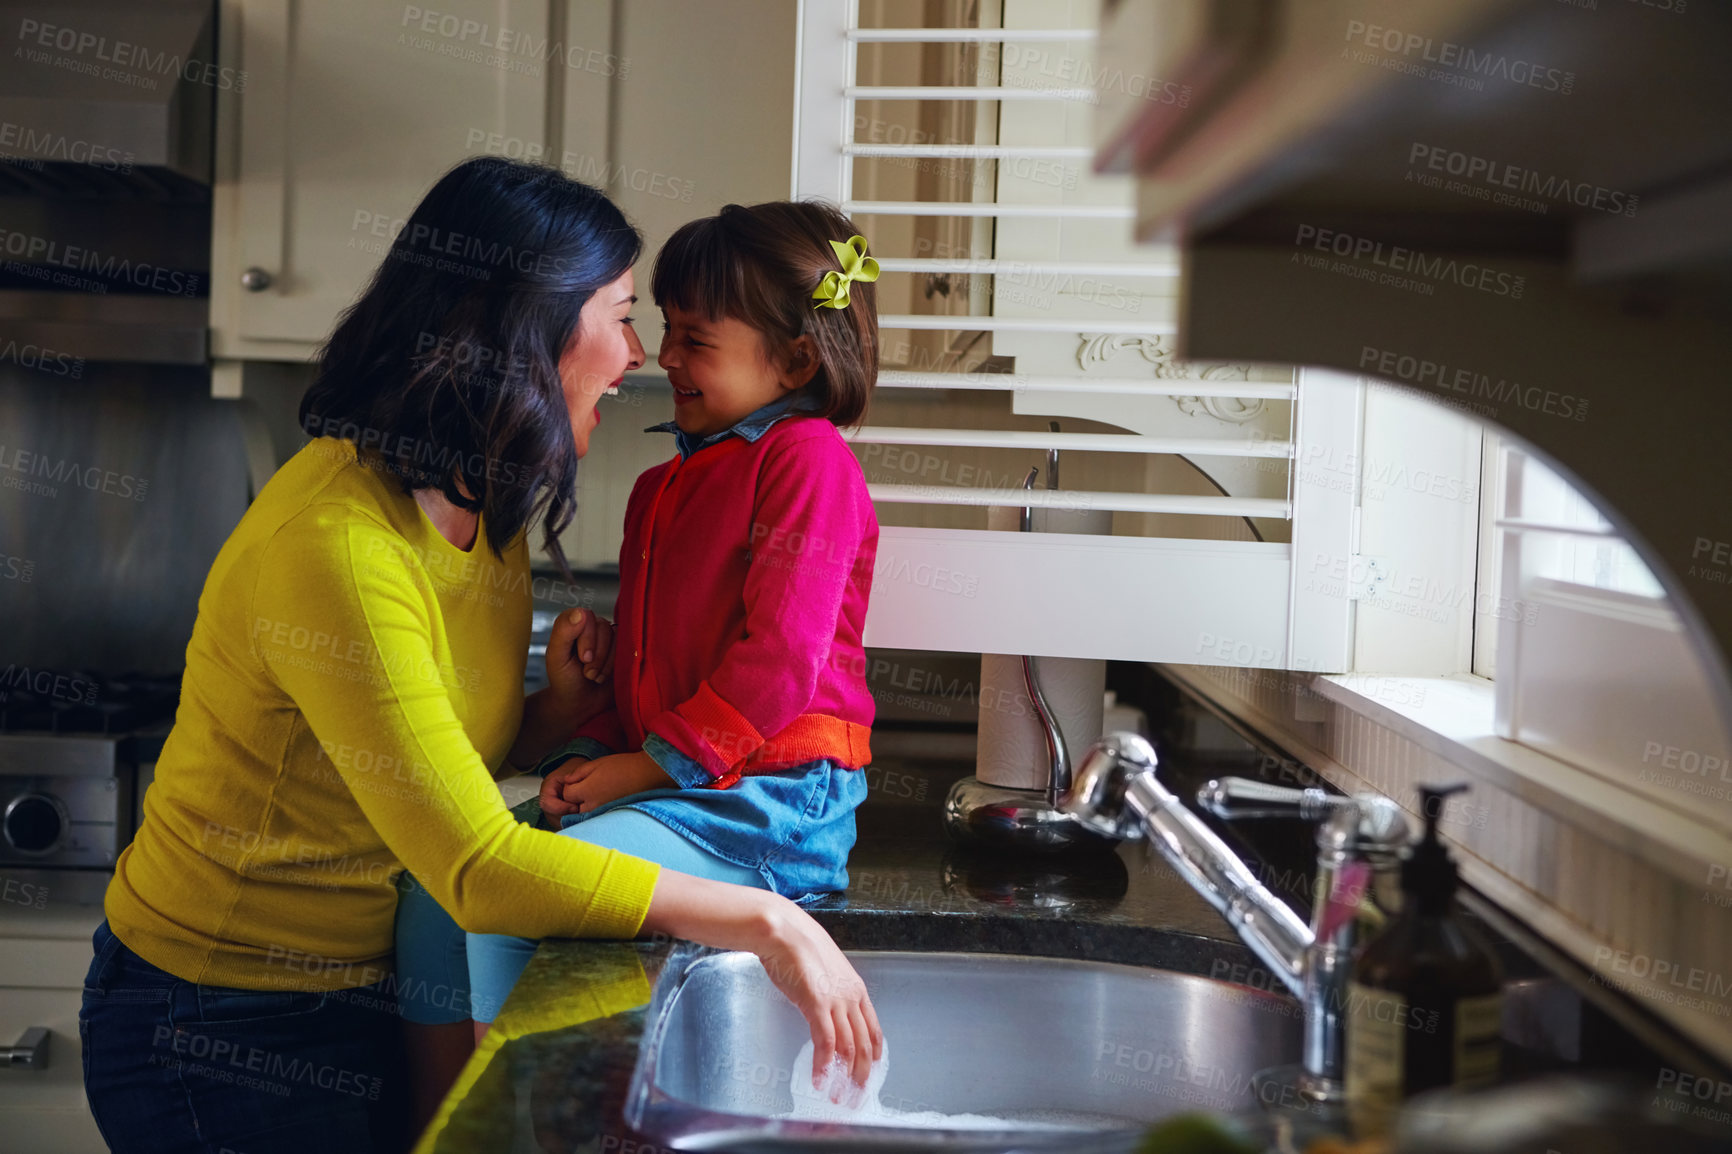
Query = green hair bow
x=832 y=291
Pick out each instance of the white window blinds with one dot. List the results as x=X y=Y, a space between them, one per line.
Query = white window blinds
x=1217 y=499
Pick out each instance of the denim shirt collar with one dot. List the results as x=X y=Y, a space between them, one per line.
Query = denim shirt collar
x=749 y=427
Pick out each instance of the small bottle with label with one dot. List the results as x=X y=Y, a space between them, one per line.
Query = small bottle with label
x=1425 y=1006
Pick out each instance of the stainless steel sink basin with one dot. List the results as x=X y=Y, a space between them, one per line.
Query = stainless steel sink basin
x=1038 y=1042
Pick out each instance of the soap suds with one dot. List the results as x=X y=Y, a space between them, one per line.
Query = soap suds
x=862 y=1107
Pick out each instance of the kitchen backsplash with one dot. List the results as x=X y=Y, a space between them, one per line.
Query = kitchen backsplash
x=116 y=491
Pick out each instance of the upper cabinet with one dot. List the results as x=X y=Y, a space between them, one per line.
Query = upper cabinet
x=349 y=112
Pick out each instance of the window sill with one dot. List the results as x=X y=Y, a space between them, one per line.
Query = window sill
x=1452 y=718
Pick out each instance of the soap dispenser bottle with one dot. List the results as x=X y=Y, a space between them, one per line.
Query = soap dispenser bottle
x=1424 y=1006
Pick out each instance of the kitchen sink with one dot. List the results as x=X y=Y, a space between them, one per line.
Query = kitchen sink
x=1062 y=1054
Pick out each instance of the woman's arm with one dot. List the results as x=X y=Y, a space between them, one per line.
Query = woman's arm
x=415 y=774
x=375 y=684
x=800 y=958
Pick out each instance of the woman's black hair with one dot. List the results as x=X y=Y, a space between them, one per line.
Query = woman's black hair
x=446 y=372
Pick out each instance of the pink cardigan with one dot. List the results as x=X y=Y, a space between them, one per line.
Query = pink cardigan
x=744 y=580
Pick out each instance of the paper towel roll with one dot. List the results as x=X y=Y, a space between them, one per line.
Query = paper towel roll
x=1012 y=752
x=1054 y=520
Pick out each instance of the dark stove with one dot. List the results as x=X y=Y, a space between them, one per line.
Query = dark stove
x=72 y=744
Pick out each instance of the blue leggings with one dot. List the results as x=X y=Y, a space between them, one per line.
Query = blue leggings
x=445 y=975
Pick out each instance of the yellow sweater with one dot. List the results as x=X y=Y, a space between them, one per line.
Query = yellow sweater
x=351 y=678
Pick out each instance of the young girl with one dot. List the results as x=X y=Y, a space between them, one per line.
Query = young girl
x=741 y=718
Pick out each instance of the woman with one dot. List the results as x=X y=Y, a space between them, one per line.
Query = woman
x=353 y=687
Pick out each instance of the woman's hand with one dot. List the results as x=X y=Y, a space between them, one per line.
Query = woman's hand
x=580 y=666
x=585 y=785
x=579 y=652
x=797 y=954
x=579 y=686
x=813 y=973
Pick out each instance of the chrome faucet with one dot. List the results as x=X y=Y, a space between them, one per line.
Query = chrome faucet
x=1360 y=844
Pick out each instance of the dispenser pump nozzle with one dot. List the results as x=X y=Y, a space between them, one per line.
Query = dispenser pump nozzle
x=1429 y=875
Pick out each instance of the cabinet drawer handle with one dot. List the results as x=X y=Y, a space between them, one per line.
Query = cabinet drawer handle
x=31 y=1052
x=255 y=280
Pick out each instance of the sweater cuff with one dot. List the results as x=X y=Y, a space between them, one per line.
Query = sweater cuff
x=587 y=747
x=622 y=898
x=711 y=731
x=686 y=772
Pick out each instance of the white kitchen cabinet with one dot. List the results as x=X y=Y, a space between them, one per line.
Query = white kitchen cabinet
x=350 y=109
x=44 y=954
x=348 y=113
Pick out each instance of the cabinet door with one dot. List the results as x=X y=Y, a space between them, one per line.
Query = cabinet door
x=348 y=113
x=45 y=1110
x=44 y=953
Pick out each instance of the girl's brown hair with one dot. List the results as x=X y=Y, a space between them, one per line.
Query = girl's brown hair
x=760 y=265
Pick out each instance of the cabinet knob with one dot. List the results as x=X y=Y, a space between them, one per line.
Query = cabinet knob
x=255 y=280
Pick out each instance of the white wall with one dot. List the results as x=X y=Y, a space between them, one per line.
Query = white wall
x=702 y=117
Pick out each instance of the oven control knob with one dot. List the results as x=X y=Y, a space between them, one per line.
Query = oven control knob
x=35 y=824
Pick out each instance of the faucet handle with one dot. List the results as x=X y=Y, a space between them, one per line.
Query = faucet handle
x=1231 y=798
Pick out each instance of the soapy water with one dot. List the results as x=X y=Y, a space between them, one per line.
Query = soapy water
x=861 y=1106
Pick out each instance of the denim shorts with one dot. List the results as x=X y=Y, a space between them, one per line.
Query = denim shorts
x=793 y=827
x=171 y=1065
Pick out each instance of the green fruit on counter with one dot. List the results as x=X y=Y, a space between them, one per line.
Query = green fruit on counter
x=1198 y=1133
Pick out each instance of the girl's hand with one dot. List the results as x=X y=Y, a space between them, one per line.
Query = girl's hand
x=595 y=783
x=553 y=785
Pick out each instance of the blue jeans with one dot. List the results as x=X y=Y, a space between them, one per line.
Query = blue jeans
x=174 y=1066
x=445 y=975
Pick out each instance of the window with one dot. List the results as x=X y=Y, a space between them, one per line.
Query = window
x=1565 y=541
x=1588 y=659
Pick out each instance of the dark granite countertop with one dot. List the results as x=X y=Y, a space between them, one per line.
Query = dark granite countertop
x=555 y=1071
x=575 y=1019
